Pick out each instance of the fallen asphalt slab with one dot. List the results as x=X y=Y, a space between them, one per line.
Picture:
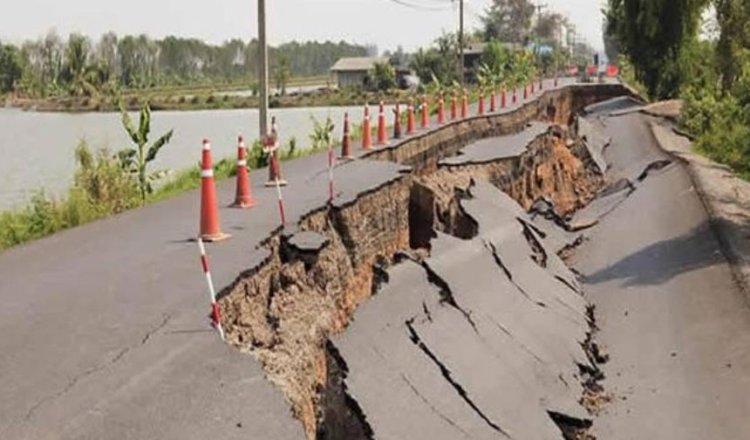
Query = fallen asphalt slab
x=452 y=348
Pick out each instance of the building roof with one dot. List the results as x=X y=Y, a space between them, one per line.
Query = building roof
x=478 y=48
x=357 y=64
x=474 y=48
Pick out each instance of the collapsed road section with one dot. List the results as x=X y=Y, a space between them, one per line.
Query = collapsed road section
x=131 y=357
x=430 y=305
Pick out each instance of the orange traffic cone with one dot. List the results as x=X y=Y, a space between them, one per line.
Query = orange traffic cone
x=346 y=141
x=425 y=113
x=382 y=134
x=481 y=103
x=454 y=105
x=397 y=121
x=366 y=130
x=244 y=198
x=441 y=110
x=493 y=101
x=209 y=227
x=465 y=105
x=410 y=123
x=504 y=97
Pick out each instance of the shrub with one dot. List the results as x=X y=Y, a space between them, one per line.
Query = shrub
x=101 y=188
x=719 y=122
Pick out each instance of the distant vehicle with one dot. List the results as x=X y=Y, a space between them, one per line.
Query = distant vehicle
x=409 y=82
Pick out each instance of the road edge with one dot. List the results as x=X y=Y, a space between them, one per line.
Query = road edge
x=720 y=192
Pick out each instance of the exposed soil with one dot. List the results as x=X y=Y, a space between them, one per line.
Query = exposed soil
x=284 y=311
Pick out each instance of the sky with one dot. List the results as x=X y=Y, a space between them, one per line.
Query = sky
x=385 y=23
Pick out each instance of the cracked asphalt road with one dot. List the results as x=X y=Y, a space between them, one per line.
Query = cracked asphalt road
x=103 y=328
x=675 y=324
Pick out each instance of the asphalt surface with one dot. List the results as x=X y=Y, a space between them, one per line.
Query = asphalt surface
x=104 y=329
x=673 y=321
x=105 y=326
x=479 y=341
x=486 y=150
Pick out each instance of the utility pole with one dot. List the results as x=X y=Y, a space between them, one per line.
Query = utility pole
x=263 y=68
x=461 y=42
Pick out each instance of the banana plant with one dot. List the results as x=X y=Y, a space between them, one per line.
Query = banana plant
x=136 y=160
x=436 y=87
x=322 y=134
x=484 y=76
x=524 y=67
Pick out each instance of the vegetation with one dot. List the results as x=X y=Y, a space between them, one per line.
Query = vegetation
x=322 y=134
x=501 y=65
x=101 y=188
x=281 y=74
x=52 y=67
x=661 y=41
x=135 y=160
x=439 y=62
x=508 y=21
x=382 y=76
x=104 y=185
x=655 y=34
x=177 y=73
x=11 y=68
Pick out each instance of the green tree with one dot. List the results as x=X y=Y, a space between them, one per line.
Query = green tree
x=11 y=69
x=734 y=38
x=80 y=77
x=496 y=57
x=611 y=48
x=439 y=61
x=508 y=21
x=281 y=74
x=548 y=27
x=654 y=33
x=382 y=76
x=136 y=160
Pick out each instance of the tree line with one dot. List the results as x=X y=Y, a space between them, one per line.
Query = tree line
x=79 y=66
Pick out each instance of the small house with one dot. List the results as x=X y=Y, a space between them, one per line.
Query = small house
x=352 y=72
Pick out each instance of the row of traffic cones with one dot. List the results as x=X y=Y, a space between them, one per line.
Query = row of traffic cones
x=210 y=229
x=209 y=224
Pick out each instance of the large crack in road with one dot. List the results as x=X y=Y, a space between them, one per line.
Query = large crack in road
x=515 y=360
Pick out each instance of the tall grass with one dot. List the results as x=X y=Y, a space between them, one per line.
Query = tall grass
x=100 y=188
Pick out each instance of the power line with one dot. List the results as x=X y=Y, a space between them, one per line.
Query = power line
x=423 y=7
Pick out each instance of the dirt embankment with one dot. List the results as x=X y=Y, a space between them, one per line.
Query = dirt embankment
x=284 y=311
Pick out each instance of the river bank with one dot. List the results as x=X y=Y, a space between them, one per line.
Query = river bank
x=207 y=99
x=38 y=148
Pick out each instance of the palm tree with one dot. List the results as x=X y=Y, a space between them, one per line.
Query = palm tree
x=80 y=75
